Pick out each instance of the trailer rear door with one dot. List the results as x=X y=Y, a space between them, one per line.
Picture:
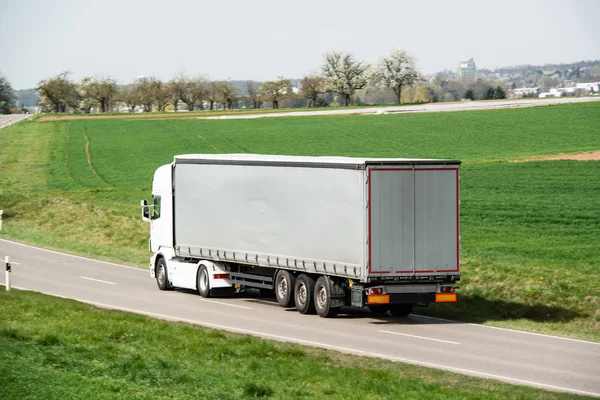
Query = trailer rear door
x=413 y=217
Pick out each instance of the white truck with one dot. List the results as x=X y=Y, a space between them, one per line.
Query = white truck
x=317 y=232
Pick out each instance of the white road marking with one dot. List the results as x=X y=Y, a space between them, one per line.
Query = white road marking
x=419 y=337
x=505 y=329
x=97 y=280
x=415 y=315
x=226 y=304
x=324 y=345
x=536 y=334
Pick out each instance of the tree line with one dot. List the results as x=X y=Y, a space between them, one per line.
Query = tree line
x=341 y=80
x=340 y=74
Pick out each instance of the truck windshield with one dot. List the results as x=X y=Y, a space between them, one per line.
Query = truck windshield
x=156 y=207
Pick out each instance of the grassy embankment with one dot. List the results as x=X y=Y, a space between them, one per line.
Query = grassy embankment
x=530 y=230
x=53 y=348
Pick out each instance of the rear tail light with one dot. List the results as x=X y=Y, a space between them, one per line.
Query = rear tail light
x=375 y=290
x=447 y=289
x=220 y=276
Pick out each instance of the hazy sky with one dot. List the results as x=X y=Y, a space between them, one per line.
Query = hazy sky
x=263 y=39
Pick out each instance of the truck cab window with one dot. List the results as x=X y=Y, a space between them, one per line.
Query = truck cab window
x=156 y=207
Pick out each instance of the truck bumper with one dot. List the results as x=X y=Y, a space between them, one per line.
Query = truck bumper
x=411 y=298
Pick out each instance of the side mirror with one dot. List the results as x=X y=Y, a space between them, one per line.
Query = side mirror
x=145 y=210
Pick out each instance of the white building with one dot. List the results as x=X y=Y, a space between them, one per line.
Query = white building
x=467 y=71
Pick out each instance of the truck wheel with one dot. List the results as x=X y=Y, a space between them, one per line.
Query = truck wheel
x=379 y=309
x=162 y=276
x=401 y=310
x=323 y=299
x=284 y=288
x=203 y=282
x=304 y=294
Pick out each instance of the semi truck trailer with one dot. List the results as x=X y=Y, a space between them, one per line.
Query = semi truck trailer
x=319 y=233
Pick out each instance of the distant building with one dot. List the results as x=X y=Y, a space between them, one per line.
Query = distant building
x=524 y=91
x=467 y=72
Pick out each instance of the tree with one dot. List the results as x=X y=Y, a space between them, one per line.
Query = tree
x=396 y=70
x=58 y=93
x=227 y=94
x=253 y=97
x=212 y=93
x=153 y=91
x=311 y=88
x=100 y=92
x=499 y=93
x=130 y=95
x=422 y=95
x=7 y=95
x=143 y=87
x=161 y=93
x=189 y=90
x=480 y=89
x=490 y=93
x=469 y=94
x=345 y=75
x=275 y=91
x=84 y=90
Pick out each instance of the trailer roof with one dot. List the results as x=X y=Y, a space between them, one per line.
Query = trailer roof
x=323 y=161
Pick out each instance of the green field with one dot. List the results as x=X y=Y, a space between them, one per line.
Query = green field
x=530 y=230
x=53 y=348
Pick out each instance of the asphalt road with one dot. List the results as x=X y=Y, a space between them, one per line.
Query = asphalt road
x=423 y=108
x=543 y=361
x=6 y=120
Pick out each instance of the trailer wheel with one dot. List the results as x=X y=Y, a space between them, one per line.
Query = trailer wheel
x=304 y=294
x=284 y=288
x=203 y=282
x=323 y=299
x=379 y=309
x=162 y=276
x=401 y=310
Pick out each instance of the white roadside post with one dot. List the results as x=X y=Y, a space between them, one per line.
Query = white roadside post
x=0 y=220
x=7 y=260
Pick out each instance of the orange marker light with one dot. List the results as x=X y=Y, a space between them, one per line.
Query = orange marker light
x=378 y=299
x=445 y=297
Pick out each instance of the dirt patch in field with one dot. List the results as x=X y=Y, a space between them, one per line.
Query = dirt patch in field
x=124 y=116
x=590 y=156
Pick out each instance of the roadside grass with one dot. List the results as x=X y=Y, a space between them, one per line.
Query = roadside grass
x=520 y=222
x=56 y=348
x=530 y=248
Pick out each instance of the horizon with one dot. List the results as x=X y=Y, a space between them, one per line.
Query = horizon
x=39 y=40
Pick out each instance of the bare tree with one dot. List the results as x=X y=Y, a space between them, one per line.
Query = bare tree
x=312 y=86
x=227 y=94
x=275 y=91
x=212 y=93
x=161 y=93
x=345 y=75
x=396 y=70
x=143 y=86
x=253 y=97
x=153 y=91
x=58 y=93
x=189 y=90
